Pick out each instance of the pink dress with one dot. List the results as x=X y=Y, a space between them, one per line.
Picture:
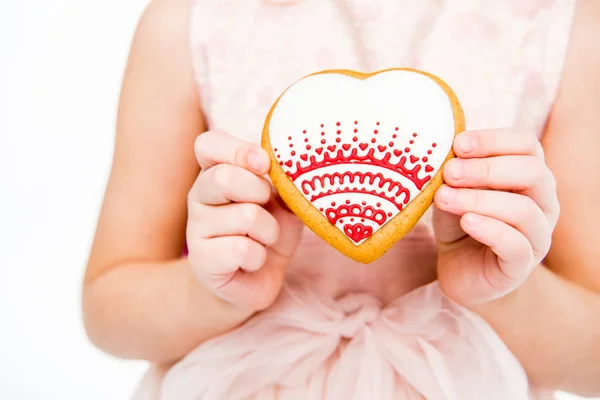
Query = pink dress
x=340 y=330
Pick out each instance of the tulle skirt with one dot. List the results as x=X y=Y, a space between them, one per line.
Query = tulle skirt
x=307 y=347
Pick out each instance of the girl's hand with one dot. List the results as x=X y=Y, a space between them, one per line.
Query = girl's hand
x=239 y=237
x=495 y=216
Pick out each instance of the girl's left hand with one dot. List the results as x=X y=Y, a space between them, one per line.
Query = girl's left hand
x=495 y=214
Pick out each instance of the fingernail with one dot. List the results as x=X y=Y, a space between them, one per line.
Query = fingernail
x=256 y=160
x=456 y=169
x=466 y=143
x=448 y=195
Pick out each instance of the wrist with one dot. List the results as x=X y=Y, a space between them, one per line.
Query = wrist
x=207 y=312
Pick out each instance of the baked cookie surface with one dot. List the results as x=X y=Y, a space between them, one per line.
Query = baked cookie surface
x=358 y=157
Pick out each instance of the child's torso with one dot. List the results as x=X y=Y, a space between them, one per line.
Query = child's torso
x=502 y=58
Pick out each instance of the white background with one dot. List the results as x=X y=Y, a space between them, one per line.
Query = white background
x=61 y=63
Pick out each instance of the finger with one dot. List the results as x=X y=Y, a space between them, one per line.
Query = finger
x=527 y=175
x=214 y=148
x=497 y=142
x=226 y=183
x=447 y=227
x=257 y=290
x=514 y=209
x=514 y=253
x=238 y=219
x=220 y=257
x=254 y=290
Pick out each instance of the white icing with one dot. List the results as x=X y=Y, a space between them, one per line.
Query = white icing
x=407 y=100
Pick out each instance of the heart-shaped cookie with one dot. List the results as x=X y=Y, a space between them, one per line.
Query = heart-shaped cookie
x=358 y=157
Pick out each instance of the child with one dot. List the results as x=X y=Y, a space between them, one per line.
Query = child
x=474 y=303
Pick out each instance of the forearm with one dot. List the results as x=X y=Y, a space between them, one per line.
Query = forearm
x=553 y=327
x=157 y=312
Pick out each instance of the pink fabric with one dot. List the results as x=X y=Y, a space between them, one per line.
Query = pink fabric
x=404 y=339
x=310 y=347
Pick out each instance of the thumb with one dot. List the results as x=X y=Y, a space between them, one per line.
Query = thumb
x=290 y=227
x=446 y=225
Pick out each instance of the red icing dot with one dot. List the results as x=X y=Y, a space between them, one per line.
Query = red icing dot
x=333 y=204
x=414 y=135
x=355 y=130
x=280 y=162
x=373 y=140
x=323 y=141
x=434 y=145
x=322 y=125
x=338 y=140
x=376 y=131
x=355 y=122
x=289 y=138
x=322 y=133
x=308 y=147
x=293 y=153
x=391 y=144
x=338 y=132
x=354 y=139
x=378 y=204
x=351 y=219
x=362 y=220
x=304 y=131
x=429 y=151
x=321 y=209
x=291 y=145
x=394 y=136
x=425 y=159
x=397 y=128
x=274 y=149
x=407 y=149
x=389 y=214
x=341 y=221
x=278 y=156
x=306 y=140
x=338 y=124
x=412 y=142
x=347 y=201
x=377 y=123
x=364 y=203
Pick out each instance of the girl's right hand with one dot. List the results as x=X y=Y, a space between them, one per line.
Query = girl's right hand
x=239 y=237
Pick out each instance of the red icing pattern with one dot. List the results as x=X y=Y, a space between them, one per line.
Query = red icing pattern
x=358 y=232
x=381 y=195
x=367 y=185
x=368 y=159
x=357 y=211
x=351 y=177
